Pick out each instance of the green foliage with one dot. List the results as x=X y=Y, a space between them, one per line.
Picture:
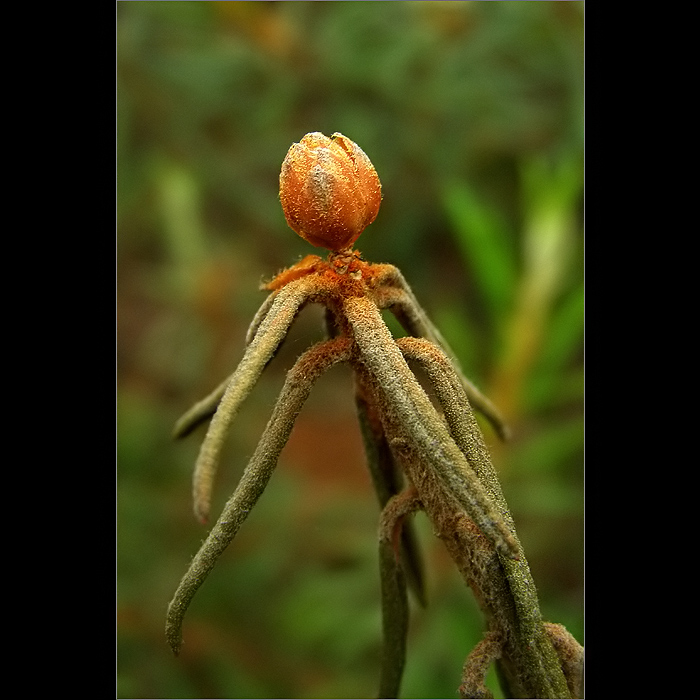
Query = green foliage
x=485 y=245
x=472 y=114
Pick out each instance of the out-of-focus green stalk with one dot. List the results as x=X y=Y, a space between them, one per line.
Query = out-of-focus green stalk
x=179 y=207
x=550 y=198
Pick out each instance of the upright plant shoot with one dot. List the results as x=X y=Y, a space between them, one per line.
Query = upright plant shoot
x=421 y=457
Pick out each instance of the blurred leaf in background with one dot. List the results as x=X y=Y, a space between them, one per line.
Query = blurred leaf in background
x=472 y=113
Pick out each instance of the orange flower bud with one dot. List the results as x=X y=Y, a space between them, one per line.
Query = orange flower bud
x=329 y=190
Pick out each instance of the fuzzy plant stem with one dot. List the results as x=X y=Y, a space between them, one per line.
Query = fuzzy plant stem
x=397 y=295
x=388 y=482
x=395 y=611
x=528 y=657
x=270 y=333
x=203 y=410
x=300 y=379
x=400 y=389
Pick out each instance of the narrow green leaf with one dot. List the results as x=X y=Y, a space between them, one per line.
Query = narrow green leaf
x=482 y=237
x=563 y=338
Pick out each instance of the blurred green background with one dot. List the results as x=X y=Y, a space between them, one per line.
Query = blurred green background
x=472 y=113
